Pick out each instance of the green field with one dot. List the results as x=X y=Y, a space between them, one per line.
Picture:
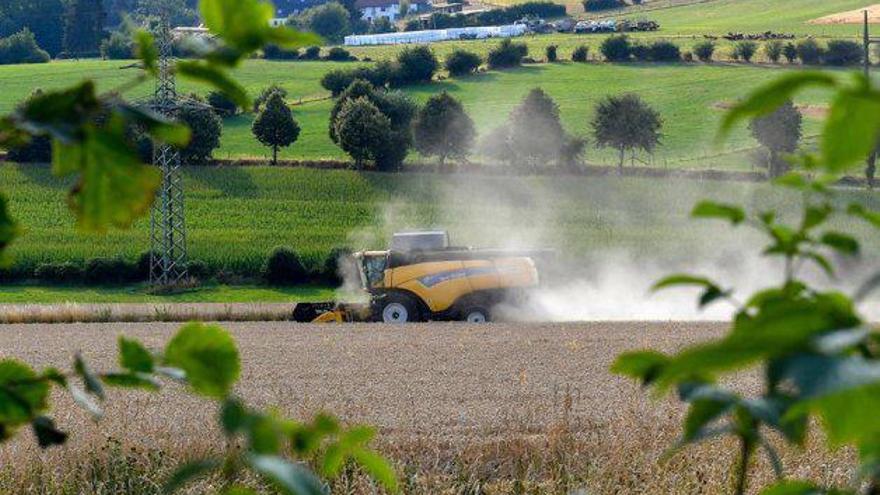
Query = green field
x=237 y=215
x=687 y=96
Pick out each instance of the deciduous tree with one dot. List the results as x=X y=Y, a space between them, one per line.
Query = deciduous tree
x=275 y=125
x=626 y=123
x=443 y=129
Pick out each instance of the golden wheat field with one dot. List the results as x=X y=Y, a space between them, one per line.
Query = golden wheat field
x=501 y=408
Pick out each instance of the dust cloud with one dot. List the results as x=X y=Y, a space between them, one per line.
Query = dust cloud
x=612 y=239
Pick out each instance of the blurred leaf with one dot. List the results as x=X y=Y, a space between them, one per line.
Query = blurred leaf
x=334 y=458
x=114 y=187
x=209 y=357
x=290 y=478
x=378 y=468
x=131 y=380
x=134 y=357
x=214 y=76
x=264 y=435
x=85 y=401
x=8 y=230
x=23 y=395
x=822 y=261
x=233 y=416
x=711 y=295
x=55 y=376
x=840 y=242
x=815 y=216
x=189 y=472
x=840 y=341
x=852 y=126
x=238 y=490
x=771 y=96
x=145 y=49
x=792 y=488
x=701 y=413
x=642 y=365
x=60 y=114
x=157 y=126
x=357 y=436
x=175 y=374
x=710 y=209
x=243 y=24
x=90 y=381
x=868 y=287
x=773 y=457
x=46 y=432
x=682 y=279
x=869 y=216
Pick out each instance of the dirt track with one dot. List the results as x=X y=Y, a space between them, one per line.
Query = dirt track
x=447 y=398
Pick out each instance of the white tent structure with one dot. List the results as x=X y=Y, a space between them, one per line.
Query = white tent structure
x=432 y=35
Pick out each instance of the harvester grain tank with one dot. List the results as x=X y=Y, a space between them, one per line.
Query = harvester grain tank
x=421 y=277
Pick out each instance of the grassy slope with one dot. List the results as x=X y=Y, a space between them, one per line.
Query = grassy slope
x=236 y=215
x=684 y=94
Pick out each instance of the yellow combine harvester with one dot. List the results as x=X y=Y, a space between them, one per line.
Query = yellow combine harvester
x=422 y=278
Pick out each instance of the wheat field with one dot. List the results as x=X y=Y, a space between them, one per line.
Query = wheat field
x=500 y=408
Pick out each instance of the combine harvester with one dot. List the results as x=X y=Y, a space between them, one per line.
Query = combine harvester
x=423 y=278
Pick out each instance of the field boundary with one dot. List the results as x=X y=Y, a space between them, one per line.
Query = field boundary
x=143 y=312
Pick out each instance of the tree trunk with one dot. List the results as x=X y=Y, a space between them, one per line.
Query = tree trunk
x=275 y=155
x=871 y=169
x=621 y=162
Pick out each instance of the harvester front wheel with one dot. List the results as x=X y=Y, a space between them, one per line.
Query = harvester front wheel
x=476 y=314
x=399 y=308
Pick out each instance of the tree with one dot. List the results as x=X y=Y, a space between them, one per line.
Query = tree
x=22 y=48
x=773 y=50
x=358 y=127
x=789 y=51
x=550 y=53
x=382 y=25
x=461 y=62
x=599 y=5
x=704 y=50
x=443 y=129
x=37 y=149
x=507 y=54
x=275 y=125
x=745 y=50
x=415 y=65
x=779 y=133
x=83 y=28
x=626 y=123
x=844 y=52
x=580 y=53
x=330 y=20
x=44 y=18
x=206 y=128
x=809 y=51
x=616 y=48
x=118 y=46
x=536 y=133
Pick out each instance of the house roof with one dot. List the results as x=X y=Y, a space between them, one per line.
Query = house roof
x=362 y=4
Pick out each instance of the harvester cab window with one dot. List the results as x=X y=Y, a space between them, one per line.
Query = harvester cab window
x=374 y=269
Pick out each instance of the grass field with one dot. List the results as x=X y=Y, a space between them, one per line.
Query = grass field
x=687 y=97
x=497 y=409
x=17 y=294
x=236 y=215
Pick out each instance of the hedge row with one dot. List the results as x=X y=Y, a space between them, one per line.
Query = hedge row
x=282 y=267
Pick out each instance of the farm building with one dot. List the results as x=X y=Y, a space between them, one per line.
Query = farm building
x=432 y=35
x=390 y=9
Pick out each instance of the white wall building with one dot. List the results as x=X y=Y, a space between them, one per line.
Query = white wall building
x=376 y=9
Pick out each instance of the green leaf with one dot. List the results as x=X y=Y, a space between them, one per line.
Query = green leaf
x=8 y=230
x=771 y=96
x=852 y=127
x=840 y=242
x=233 y=416
x=214 y=76
x=131 y=380
x=792 y=488
x=264 y=435
x=710 y=209
x=90 y=381
x=157 y=126
x=209 y=357
x=682 y=279
x=189 y=472
x=815 y=216
x=60 y=114
x=243 y=24
x=290 y=478
x=642 y=365
x=145 y=49
x=23 y=394
x=841 y=341
x=822 y=261
x=46 y=432
x=134 y=357
x=378 y=468
x=701 y=413
x=114 y=187
x=869 y=216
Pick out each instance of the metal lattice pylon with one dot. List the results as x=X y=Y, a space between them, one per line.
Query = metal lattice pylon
x=168 y=258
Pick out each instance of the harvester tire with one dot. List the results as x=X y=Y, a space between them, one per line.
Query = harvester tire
x=476 y=314
x=399 y=308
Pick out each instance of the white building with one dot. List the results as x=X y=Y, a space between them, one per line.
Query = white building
x=390 y=9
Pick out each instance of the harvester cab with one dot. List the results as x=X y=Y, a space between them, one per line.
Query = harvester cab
x=422 y=277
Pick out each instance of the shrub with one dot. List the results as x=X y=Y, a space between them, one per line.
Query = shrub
x=626 y=123
x=379 y=75
x=275 y=52
x=415 y=65
x=312 y=53
x=337 y=265
x=222 y=104
x=744 y=50
x=117 y=47
x=599 y=5
x=640 y=52
x=330 y=20
x=275 y=126
x=550 y=53
x=443 y=129
x=22 y=48
x=789 y=51
x=198 y=270
x=580 y=54
x=616 y=48
x=773 y=50
x=704 y=50
x=206 y=129
x=809 y=51
x=779 y=133
x=507 y=54
x=110 y=271
x=843 y=52
x=461 y=62
x=59 y=273
x=284 y=267
x=339 y=54
x=664 y=51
